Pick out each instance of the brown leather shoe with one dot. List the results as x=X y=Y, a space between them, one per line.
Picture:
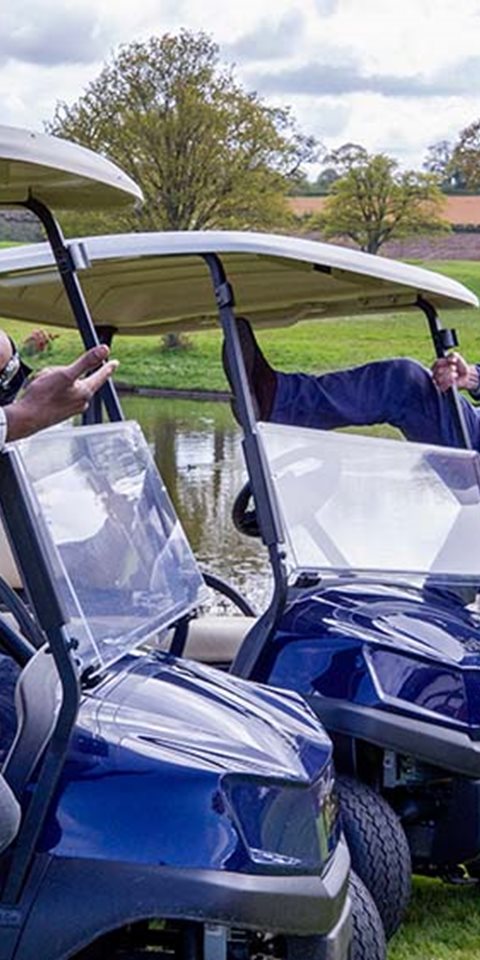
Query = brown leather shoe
x=261 y=377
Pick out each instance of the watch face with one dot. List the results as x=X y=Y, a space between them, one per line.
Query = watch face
x=12 y=377
x=9 y=371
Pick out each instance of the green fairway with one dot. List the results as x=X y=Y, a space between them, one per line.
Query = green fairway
x=443 y=923
x=312 y=346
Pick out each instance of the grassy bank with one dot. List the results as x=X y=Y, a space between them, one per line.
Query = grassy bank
x=314 y=346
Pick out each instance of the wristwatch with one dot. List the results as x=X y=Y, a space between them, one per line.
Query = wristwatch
x=13 y=376
x=10 y=370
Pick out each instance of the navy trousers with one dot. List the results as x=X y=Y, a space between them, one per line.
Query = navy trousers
x=400 y=392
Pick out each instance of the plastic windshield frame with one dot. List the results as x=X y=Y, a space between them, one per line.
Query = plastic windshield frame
x=374 y=507
x=94 y=523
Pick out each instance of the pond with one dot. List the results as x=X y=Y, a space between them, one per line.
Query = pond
x=197 y=448
x=198 y=452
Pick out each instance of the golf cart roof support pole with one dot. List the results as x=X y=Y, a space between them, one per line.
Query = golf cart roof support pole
x=265 y=500
x=74 y=293
x=443 y=341
x=27 y=550
x=93 y=413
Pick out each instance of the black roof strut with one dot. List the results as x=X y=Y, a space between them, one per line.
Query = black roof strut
x=444 y=340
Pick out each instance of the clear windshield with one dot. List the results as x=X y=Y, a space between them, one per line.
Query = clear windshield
x=367 y=505
x=122 y=565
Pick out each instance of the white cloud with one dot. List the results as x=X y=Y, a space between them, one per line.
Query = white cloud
x=43 y=38
x=392 y=76
x=326 y=8
x=269 y=41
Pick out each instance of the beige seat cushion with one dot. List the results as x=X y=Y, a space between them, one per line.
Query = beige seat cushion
x=8 y=567
x=213 y=639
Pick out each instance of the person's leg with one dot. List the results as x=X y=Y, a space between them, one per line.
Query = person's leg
x=400 y=392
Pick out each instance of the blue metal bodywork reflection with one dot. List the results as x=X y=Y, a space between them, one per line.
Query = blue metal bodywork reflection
x=172 y=763
x=385 y=646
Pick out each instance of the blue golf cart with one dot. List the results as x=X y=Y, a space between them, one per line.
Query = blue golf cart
x=148 y=805
x=371 y=541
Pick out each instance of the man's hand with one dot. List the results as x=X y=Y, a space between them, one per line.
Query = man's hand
x=454 y=371
x=58 y=393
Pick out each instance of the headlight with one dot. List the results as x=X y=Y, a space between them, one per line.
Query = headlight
x=291 y=825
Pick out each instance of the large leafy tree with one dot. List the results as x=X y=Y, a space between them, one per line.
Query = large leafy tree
x=374 y=202
x=205 y=152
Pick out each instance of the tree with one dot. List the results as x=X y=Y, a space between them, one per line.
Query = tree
x=346 y=158
x=440 y=160
x=325 y=179
x=205 y=152
x=373 y=202
x=466 y=156
x=320 y=185
x=335 y=165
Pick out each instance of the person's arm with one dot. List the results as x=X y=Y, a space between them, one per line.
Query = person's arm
x=56 y=394
x=454 y=371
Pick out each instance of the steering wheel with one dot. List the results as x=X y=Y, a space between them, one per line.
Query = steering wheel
x=245 y=518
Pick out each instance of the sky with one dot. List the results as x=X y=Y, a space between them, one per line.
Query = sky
x=392 y=75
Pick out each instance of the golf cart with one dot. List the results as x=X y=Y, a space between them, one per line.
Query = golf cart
x=362 y=533
x=148 y=805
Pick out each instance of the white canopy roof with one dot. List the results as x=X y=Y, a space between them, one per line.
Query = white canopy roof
x=157 y=282
x=60 y=174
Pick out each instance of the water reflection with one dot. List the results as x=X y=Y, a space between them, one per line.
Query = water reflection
x=197 y=450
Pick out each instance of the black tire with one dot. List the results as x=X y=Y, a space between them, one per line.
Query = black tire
x=378 y=848
x=368 y=935
x=368 y=941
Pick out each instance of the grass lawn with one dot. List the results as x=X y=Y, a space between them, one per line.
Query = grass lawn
x=443 y=923
x=313 y=346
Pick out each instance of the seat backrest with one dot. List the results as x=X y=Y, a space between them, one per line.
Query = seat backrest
x=37 y=699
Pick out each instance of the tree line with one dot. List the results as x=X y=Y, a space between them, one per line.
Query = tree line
x=209 y=154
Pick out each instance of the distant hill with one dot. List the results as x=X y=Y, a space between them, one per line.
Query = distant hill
x=458 y=210
x=463 y=243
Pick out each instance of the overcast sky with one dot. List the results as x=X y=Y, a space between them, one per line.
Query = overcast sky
x=393 y=75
